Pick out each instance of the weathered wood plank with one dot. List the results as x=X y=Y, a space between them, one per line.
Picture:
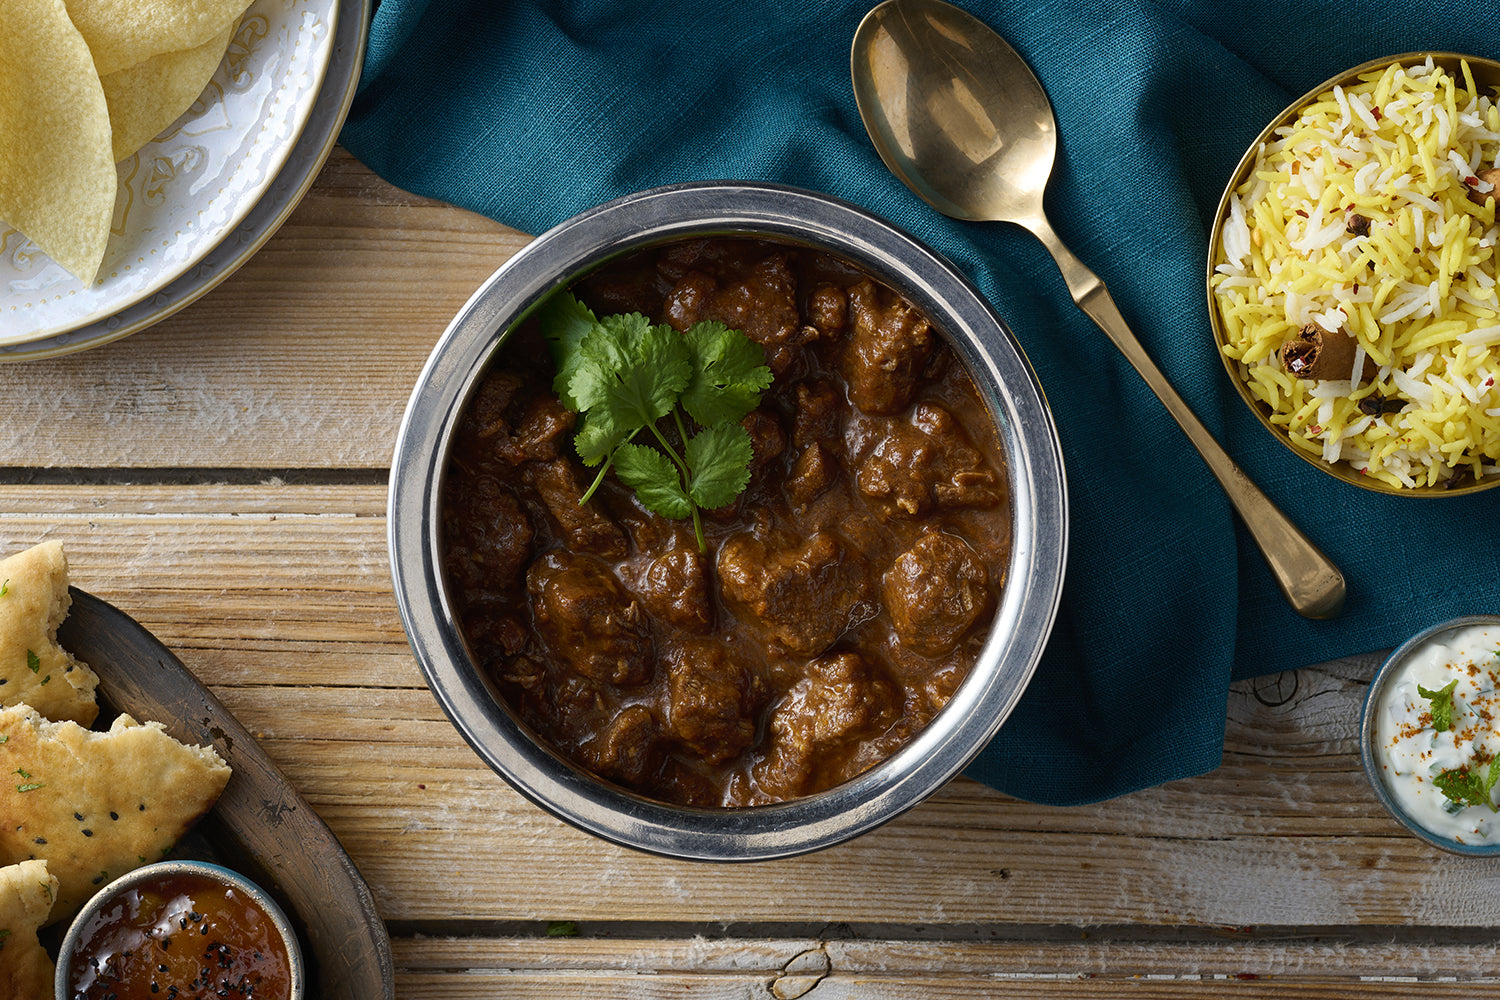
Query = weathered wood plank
x=431 y=968
x=261 y=372
x=1231 y=955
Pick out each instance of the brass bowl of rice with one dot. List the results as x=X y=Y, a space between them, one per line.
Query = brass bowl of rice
x=1352 y=275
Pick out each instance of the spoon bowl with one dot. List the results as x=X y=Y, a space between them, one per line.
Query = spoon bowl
x=959 y=117
x=967 y=126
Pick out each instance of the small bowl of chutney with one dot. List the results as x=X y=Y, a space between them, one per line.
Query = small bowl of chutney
x=179 y=929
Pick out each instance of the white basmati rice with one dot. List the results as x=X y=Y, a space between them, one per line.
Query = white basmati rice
x=1417 y=289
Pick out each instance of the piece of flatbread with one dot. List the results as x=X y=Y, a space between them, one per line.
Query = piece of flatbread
x=34 y=669
x=26 y=894
x=97 y=805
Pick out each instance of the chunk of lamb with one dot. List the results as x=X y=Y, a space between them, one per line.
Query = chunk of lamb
x=819 y=417
x=708 y=706
x=840 y=700
x=589 y=621
x=805 y=593
x=767 y=439
x=927 y=463
x=886 y=350
x=489 y=535
x=935 y=591
x=674 y=588
x=762 y=305
x=587 y=527
x=629 y=749
x=516 y=423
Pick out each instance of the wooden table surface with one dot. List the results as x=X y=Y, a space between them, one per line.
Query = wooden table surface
x=221 y=478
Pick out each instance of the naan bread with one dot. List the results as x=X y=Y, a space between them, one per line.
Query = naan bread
x=26 y=894
x=97 y=805
x=34 y=669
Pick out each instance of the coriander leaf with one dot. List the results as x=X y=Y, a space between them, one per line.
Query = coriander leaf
x=719 y=458
x=632 y=369
x=1464 y=786
x=599 y=434
x=33 y=663
x=654 y=479
x=565 y=321
x=1491 y=776
x=1442 y=705
x=729 y=371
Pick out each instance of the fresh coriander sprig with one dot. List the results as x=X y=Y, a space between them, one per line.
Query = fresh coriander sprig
x=1442 y=705
x=625 y=374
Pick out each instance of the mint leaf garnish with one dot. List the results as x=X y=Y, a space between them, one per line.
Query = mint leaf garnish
x=1442 y=705
x=1465 y=786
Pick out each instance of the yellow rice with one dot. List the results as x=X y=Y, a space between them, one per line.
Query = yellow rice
x=1401 y=148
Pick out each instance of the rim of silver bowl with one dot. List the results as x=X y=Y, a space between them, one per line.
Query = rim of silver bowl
x=296 y=968
x=1023 y=618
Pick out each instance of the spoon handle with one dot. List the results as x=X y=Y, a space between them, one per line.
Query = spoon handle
x=1308 y=579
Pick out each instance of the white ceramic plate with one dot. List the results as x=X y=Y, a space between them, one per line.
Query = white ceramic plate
x=185 y=191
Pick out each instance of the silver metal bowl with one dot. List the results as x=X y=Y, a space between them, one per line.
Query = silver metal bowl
x=1000 y=371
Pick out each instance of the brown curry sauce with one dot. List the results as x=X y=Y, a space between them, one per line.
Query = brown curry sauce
x=844 y=595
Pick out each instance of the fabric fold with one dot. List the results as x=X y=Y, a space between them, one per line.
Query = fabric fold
x=530 y=112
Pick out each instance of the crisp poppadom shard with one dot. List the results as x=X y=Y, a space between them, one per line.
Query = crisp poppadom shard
x=121 y=33
x=57 y=178
x=145 y=98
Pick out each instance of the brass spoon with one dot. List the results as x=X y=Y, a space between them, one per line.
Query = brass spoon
x=959 y=117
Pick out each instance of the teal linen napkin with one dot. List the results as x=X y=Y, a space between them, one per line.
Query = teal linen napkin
x=530 y=112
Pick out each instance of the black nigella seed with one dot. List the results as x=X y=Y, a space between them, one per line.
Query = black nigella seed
x=78 y=817
x=113 y=814
x=41 y=840
x=88 y=833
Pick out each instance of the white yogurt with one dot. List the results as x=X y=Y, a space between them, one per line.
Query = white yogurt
x=1411 y=752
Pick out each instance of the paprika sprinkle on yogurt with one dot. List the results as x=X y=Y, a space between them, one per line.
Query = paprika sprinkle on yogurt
x=184 y=935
